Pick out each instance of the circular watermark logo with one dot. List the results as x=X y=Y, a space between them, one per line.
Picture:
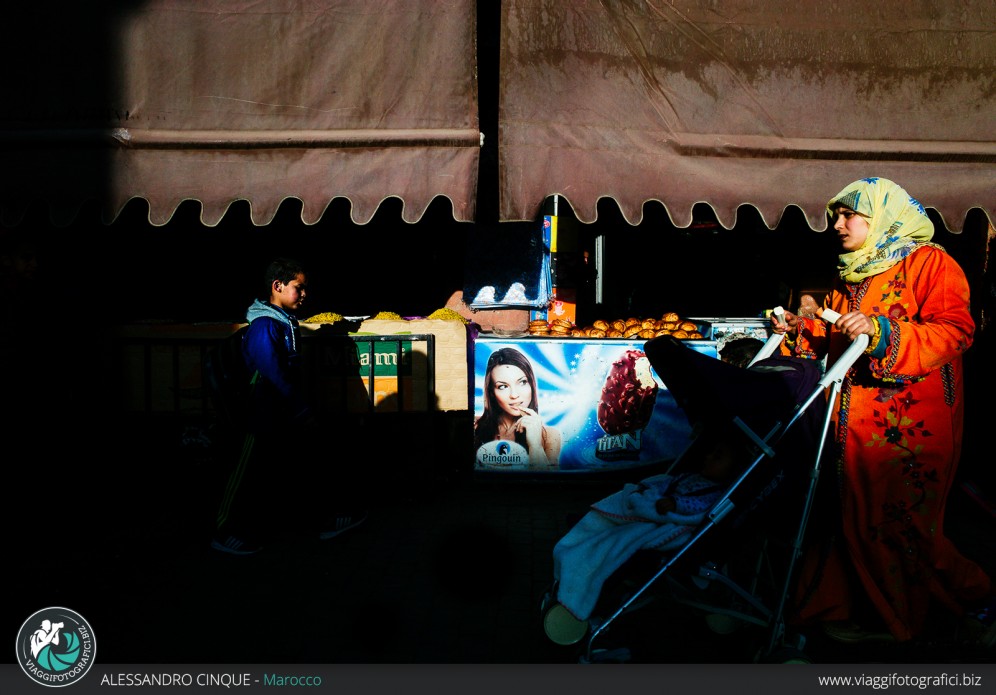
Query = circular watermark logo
x=55 y=647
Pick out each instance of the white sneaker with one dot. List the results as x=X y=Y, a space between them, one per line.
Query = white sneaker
x=340 y=523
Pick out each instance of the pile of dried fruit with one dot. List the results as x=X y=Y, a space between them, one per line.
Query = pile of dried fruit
x=445 y=314
x=324 y=317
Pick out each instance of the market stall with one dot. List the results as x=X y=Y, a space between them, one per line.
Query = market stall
x=362 y=366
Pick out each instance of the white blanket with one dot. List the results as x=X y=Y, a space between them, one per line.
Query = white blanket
x=618 y=526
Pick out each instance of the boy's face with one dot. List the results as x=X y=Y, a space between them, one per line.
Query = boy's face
x=289 y=296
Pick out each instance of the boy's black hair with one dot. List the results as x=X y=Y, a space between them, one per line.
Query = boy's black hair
x=282 y=269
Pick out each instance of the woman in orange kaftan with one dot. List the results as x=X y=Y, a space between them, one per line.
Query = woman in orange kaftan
x=898 y=419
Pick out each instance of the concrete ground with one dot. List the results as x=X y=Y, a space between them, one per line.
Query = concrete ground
x=449 y=568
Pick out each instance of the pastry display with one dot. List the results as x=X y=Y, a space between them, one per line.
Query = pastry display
x=631 y=328
x=561 y=327
x=539 y=327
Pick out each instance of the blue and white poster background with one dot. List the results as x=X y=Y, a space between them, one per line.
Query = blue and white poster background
x=570 y=374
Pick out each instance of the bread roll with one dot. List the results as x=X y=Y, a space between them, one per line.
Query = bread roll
x=596 y=333
x=671 y=316
x=689 y=326
x=649 y=323
x=680 y=335
x=601 y=325
x=619 y=325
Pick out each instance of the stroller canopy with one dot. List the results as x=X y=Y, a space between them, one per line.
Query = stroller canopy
x=712 y=392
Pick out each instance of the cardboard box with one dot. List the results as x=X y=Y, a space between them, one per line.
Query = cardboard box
x=452 y=364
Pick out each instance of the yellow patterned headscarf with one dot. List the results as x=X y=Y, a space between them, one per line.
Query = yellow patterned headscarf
x=897 y=224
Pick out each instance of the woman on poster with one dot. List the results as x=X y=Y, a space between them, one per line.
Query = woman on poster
x=511 y=414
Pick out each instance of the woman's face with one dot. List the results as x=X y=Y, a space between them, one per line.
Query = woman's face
x=852 y=228
x=512 y=389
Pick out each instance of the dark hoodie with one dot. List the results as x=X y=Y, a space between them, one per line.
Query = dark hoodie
x=270 y=348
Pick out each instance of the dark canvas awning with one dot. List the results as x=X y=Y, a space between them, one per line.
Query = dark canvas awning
x=226 y=100
x=768 y=103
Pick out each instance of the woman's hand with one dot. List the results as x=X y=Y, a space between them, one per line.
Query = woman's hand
x=789 y=323
x=854 y=324
x=543 y=444
x=531 y=424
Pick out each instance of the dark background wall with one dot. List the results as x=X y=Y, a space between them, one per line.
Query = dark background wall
x=66 y=287
x=185 y=271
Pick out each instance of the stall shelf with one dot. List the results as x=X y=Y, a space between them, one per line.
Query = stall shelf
x=159 y=369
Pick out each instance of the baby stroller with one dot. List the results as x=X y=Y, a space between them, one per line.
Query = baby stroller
x=738 y=564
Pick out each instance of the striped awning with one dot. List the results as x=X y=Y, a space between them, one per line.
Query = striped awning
x=221 y=101
x=766 y=103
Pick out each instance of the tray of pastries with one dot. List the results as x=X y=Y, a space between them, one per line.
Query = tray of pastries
x=633 y=328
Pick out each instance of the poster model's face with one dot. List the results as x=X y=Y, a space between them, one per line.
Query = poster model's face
x=512 y=389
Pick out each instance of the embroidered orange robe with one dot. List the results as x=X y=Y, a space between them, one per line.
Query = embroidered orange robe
x=898 y=428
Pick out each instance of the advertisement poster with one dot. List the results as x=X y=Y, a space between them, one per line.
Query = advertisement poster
x=573 y=406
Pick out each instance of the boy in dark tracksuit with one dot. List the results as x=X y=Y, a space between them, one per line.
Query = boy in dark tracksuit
x=280 y=421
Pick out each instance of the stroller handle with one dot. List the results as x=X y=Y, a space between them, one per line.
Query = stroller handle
x=851 y=354
x=834 y=373
x=769 y=347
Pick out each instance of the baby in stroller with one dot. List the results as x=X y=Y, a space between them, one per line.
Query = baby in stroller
x=752 y=468
x=659 y=512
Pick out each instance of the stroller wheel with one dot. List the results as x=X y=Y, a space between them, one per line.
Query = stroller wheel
x=562 y=627
x=723 y=624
